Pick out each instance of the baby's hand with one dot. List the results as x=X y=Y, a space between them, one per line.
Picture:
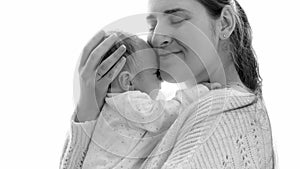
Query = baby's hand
x=189 y=95
x=212 y=86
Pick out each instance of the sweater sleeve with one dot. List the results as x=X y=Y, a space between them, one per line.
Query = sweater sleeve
x=76 y=144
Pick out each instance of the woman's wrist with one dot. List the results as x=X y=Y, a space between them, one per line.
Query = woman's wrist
x=83 y=115
x=87 y=107
x=85 y=111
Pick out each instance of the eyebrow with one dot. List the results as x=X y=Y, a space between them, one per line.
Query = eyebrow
x=169 y=11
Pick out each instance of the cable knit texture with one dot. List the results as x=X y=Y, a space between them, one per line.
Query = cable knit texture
x=225 y=129
x=77 y=144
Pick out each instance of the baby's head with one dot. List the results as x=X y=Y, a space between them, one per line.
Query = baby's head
x=141 y=68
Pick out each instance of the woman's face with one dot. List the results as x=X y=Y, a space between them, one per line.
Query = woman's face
x=182 y=35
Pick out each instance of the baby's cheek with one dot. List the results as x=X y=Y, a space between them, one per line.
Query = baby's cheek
x=154 y=94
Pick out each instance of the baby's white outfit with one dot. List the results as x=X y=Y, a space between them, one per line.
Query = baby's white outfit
x=131 y=124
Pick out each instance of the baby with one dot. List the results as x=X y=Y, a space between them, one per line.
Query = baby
x=132 y=120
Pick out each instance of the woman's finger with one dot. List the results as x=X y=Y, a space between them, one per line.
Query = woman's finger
x=99 y=52
x=110 y=61
x=102 y=84
x=216 y=86
x=91 y=45
x=111 y=75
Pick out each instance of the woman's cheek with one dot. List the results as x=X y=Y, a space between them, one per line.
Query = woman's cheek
x=176 y=70
x=196 y=64
x=195 y=39
x=200 y=52
x=187 y=63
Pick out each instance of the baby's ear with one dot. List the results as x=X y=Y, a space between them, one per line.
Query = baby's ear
x=125 y=80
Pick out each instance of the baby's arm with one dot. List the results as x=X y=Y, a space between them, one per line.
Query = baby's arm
x=145 y=113
x=161 y=116
x=189 y=95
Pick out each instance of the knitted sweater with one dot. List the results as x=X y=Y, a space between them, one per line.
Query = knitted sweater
x=224 y=129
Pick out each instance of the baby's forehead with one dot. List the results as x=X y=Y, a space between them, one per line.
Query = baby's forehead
x=139 y=54
x=145 y=59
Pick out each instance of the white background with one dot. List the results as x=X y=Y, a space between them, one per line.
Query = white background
x=40 y=42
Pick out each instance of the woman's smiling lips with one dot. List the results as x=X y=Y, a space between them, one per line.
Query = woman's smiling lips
x=167 y=54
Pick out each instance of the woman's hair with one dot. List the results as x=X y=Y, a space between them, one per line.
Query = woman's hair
x=243 y=54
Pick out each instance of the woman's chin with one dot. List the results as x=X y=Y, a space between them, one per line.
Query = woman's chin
x=171 y=79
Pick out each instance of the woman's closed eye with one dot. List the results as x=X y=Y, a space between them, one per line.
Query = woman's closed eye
x=176 y=19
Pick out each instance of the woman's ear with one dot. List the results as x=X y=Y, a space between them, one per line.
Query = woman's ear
x=125 y=80
x=227 y=22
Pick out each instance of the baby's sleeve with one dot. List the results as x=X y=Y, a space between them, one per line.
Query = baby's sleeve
x=189 y=95
x=145 y=113
x=164 y=114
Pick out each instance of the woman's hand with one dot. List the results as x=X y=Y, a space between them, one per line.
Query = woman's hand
x=212 y=86
x=94 y=77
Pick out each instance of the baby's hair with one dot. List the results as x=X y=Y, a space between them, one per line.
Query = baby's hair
x=132 y=43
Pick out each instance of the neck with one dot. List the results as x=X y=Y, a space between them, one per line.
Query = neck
x=224 y=75
x=232 y=75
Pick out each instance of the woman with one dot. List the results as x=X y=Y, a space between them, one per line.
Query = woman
x=228 y=128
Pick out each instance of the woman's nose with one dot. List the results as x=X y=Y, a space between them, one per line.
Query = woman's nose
x=160 y=40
